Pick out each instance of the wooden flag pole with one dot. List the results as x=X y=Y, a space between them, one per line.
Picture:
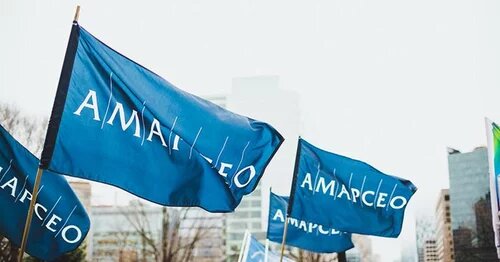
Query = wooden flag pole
x=290 y=200
x=36 y=186
x=77 y=13
x=266 y=252
x=30 y=213
x=284 y=238
x=341 y=257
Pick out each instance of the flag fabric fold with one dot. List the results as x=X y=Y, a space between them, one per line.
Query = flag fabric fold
x=60 y=222
x=254 y=251
x=346 y=194
x=493 y=139
x=302 y=234
x=118 y=123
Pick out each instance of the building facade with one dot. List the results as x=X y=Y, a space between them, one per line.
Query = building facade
x=83 y=190
x=425 y=231
x=261 y=98
x=247 y=216
x=136 y=233
x=430 y=251
x=120 y=233
x=362 y=247
x=469 y=191
x=444 y=236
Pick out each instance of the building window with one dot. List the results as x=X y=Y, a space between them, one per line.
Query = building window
x=255 y=214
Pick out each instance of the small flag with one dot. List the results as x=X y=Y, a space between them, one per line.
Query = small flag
x=493 y=137
x=59 y=223
x=253 y=251
x=302 y=234
x=347 y=194
x=118 y=123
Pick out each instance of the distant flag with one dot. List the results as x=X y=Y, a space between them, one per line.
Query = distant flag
x=253 y=251
x=347 y=194
x=118 y=123
x=302 y=234
x=493 y=137
x=60 y=222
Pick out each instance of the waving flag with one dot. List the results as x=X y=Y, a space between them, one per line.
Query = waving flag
x=254 y=251
x=303 y=234
x=60 y=222
x=493 y=137
x=118 y=123
x=347 y=194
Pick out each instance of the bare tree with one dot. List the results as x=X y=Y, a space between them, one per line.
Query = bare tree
x=180 y=234
x=8 y=252
x=30 y=132
x=301 y=255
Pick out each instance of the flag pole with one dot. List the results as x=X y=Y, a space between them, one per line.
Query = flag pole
x=284 y=238
x=36 y=186
x=266 y=252
x=291 y=198
x=34 y=195
x=243 y=246
x=77 y=13
x=341 y=257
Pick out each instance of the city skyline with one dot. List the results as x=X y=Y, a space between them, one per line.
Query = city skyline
x=394 y=94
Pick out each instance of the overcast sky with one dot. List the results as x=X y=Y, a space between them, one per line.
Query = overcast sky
x=392 y=83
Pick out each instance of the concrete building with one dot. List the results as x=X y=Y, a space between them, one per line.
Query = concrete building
x=261 y=98
x=117 y=232
x=469 y=187
x=353 y=256
x=83 y=191
x=211 y=228
x=425 y=231
x=444 y=236
x=430 y=251
x=135 y=232
x=363 y=247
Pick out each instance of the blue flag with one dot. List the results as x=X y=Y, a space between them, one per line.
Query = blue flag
x=305 y=235
x=118 y=123
x=347 y=194
x=59 y=223
x=254 y=251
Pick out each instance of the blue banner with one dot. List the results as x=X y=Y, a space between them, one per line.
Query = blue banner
x=302 y=234
x=347 y=194
x=256 y=252
x=118 y=123
x=59 y=223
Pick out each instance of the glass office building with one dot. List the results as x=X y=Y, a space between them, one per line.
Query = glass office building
x=470 y=212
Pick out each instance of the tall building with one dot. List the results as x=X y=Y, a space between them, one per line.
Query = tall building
x=210 y=227
x=120 y=232
x=444 y=236
x=261 y=98
x=353 y=255
x=136 y=232
x=425 y=231
x=83 y=191
x=469 y=183
x=362 y=247
x=430 y=251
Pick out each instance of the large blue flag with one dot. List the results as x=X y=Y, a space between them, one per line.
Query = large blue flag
x=347 y=194
x=59 y=223
x=118 y=123
x=303 y=234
